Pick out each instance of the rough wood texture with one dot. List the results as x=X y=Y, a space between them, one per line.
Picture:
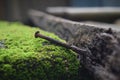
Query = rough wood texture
x=66 y=29
x=103 y=58
x=103 y=43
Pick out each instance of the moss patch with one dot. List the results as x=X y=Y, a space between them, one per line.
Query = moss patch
x=23 y=57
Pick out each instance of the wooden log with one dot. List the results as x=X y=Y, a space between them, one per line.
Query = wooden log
x=102 y=43
x=65 y=29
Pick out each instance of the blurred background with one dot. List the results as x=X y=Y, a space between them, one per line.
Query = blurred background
x=17 y=10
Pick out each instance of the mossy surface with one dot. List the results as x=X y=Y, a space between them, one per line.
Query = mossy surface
x=23 y=57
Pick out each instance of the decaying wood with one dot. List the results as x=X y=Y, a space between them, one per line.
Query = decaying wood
x=65 y=29
x=103 y=43
x=100 y=58
x=104 y=53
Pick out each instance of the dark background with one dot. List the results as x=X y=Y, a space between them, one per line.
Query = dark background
x=16 y=10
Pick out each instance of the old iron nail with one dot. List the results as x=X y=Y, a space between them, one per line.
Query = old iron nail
x=72 y=47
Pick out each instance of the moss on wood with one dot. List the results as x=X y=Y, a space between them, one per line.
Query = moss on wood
x=23 y=57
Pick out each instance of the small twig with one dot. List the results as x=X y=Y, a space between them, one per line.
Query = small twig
x=72 y=47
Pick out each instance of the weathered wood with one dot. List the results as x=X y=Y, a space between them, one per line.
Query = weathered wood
x=66 y=29
x=102 y=43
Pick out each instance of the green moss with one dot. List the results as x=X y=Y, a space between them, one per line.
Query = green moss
x=24 y=57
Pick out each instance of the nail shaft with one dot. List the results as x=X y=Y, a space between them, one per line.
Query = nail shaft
x=72 y=47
